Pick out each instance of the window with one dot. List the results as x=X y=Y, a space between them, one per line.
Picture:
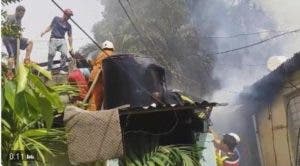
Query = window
x=294 y=126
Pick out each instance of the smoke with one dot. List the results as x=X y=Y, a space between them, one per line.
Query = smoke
x=238 y=23
x=242 y=68
x=286 y=15
x=161 y=29
x=222 y=25
x=264 y=91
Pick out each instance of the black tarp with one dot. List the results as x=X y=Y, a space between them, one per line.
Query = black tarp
x=139 y=81
x=132 y=79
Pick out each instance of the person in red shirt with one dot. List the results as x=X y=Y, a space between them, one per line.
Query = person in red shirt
x=76 y=77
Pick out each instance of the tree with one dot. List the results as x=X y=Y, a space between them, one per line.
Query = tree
x=161 y=29
x=178 y=34
x=28 y=107
x=6 y=2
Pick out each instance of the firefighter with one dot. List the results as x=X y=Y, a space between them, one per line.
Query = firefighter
x=96 y=97
x=226 y=151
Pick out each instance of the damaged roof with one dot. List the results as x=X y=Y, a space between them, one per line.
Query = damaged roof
x=264 y=90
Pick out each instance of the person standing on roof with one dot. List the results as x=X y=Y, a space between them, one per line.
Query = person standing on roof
x=226 y=151
x=96 y=97
x=10 y=42
x=58 y=27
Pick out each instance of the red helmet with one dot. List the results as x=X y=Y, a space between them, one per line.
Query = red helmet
x=68 y=12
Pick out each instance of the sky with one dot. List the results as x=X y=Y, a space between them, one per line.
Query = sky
x=286 y=13
x=39 y=14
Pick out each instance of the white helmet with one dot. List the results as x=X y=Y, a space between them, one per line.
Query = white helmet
x=236 y=137
x=108 y=45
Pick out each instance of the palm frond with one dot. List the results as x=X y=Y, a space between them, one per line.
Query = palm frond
x=186 y=155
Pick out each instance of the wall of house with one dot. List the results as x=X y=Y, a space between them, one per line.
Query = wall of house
x=274 y=134
x=292 y=95
x=293 y=114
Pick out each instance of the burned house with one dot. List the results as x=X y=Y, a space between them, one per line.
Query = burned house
x=272 y=106
x=138 y=110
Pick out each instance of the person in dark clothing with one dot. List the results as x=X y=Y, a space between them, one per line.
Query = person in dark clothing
x=59 y=27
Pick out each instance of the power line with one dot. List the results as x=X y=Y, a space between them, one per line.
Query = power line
x=78 y=26
x=246 y=69
x=194 y=82
x=140 y=34
x=134 y=26
x=242 y=65
x=220 y=37
x=256 y=43
x=242 y=34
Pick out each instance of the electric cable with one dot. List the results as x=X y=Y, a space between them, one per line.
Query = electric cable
x=242 y=34
x=134 y=26
x=78 y=26
x=256 y=43
x=140 y=34
x=167 y=67
x=105 y=52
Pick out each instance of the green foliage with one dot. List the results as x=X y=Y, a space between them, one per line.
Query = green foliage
x=45 y=73
x=7 y=29
x=11 y=30
x=145 y=150
x=66 y=89
x=7 y=2
x=171 y=155
x=22 y=78
x=28 y=107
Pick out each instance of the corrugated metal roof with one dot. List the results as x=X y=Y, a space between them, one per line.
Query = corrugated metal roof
x=264 y=91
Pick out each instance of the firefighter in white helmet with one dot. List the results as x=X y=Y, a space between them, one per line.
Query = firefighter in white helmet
x=96 y=97
x=226 y=151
